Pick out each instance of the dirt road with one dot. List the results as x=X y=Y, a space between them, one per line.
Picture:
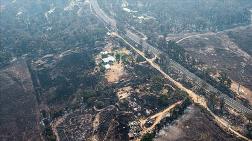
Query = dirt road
x=194 y=97
x=157 y=118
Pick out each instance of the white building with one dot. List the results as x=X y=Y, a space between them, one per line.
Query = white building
x=107 y=66
x=104 y=52
x=108 y=59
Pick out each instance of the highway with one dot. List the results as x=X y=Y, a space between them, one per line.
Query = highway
x=140 y=41
x=134 y=37
x=100 y=14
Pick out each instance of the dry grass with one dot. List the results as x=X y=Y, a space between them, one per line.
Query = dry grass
x=114 y=74
x=244 y=92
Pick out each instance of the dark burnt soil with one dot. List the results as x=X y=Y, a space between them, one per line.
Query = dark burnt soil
x=18 y=105
x=194 y=125
x=215 y=50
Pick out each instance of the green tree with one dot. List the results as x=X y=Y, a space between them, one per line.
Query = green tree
x=164 y=100
x=148 y=137
x=157 y=83
x=86 y=94
x=224 y=79
x=140 y=59
x=118 y=57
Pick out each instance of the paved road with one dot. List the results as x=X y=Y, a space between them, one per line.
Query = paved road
x=134 y=37
x=142 y=42
x=100 y=14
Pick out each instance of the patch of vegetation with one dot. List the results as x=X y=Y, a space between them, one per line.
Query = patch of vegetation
x=140 y=59
x=99 y=104
x=157 y=83
x=86 y=94
x=148 y=137
x=118 y=57
x=48 y=133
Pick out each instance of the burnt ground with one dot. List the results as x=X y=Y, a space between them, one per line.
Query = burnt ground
x=19 y=116
x=226 y=51
x=149 y=93
x=194 y=125
x=242 y=37
x=108 y=124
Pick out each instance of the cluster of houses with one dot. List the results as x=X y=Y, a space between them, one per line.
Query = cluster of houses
x=108 y=60
x=135 y=130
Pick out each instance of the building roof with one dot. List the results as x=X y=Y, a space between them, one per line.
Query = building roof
x=107 y=66
x=108 y=59
x=104 y=52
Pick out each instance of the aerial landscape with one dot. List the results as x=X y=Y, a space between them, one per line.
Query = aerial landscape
x=125 y=70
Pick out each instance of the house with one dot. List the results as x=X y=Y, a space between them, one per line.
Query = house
x=104 y=52
x=107 y=66
x=108 y=59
